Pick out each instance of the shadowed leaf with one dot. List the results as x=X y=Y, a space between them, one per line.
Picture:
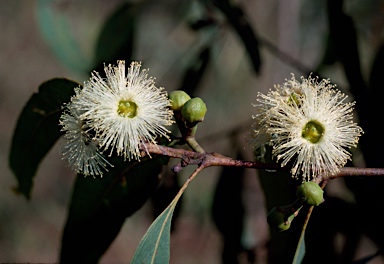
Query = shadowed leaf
x=238 y=20
x=228 y=211
x=375 y=78
x=116 y=39
x=280 y=189
x=343 y=37
x=99 y=207
x=37 y=130
x=368 y=101
x=165 y=193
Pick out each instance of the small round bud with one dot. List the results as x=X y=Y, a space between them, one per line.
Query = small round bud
x=280 y=217
x=194 y=110
x=178 y=99
x=310 y=193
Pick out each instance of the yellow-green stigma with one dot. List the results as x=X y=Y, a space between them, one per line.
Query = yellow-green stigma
x=127 y=109
x=313 y=131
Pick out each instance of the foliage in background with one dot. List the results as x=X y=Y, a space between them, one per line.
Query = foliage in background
x=127 y=187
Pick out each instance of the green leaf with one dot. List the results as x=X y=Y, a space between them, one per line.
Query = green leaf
x=100 y=206
x=154 y=247
x=115 y=41
x=37 y=130
x=300 y=251
x=55 y=28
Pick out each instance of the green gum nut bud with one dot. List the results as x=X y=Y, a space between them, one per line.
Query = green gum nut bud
x=178 y=99
x=194 y=110
x=310 y=193
x=280 y=218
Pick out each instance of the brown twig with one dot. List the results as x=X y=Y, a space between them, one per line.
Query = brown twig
x=209 y=159
x=189 y=157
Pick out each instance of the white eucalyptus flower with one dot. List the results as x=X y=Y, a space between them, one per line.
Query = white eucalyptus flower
x=124 y=110
x=309 y=123
x=80 y=150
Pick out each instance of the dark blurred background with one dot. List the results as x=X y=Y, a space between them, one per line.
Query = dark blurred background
x=224 y=52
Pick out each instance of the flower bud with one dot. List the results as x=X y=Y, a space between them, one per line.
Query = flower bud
x=178 y=99
x=280 y=217
x=310 y=193
x=194 y=110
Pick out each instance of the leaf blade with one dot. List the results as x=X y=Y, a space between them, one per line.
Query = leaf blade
x=300 y=251
x=37 y=130
x=154 y=247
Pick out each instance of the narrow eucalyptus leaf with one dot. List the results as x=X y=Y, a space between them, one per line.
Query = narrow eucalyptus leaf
x=37 y=130
x=56 y=28
x=154 y=247
x=300 y=251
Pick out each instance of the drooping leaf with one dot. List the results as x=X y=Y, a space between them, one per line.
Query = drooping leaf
x=239 y=22
x=154 y=247
x=116 y=39
x=300 y=251
x=37 y=130
x=99 y=207
x=56 y=30
x=343 y=37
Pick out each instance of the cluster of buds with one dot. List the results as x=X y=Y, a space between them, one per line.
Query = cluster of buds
x=193 y=110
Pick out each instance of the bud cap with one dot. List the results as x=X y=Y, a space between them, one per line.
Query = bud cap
x=310 y=193
x=280 y=217
x=194 y=110
x=178 y=99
